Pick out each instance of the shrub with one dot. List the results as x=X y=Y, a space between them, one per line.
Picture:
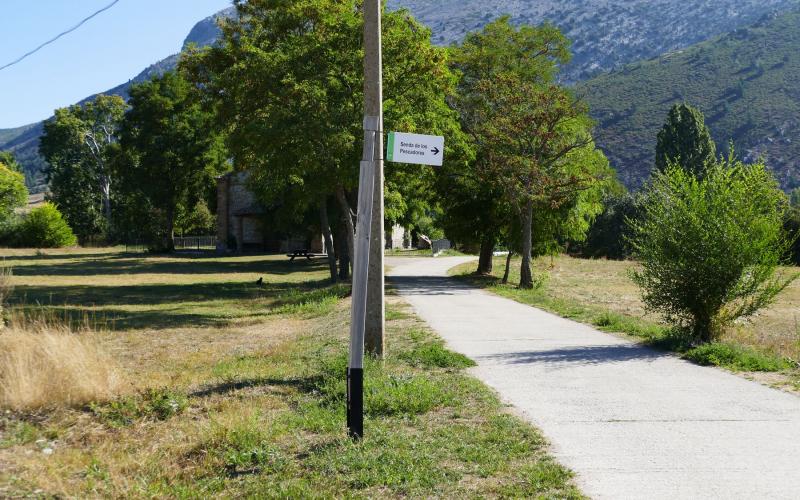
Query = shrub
x=710 y=247
x=791 y=225
x=53 y=367
x=45 y=227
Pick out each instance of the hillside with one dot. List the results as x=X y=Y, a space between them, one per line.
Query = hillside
x=747 y=83
x=606 y=34
x=24 y=141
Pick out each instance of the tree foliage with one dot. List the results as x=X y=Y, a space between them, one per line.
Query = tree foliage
x=78 y=145
x=8 y=159
x=13 y=193
x=534 y=157
x=710 y=247
x=45 y=227
x=170 y=154
x=540 y=151
x=686 y=141
x=477 y=212
x=287 y=82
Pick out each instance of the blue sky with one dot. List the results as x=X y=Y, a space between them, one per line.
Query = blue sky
x=107 y=51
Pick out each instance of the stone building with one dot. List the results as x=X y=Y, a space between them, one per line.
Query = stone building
x=243 y=223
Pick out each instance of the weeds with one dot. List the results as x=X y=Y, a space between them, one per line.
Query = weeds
x=155 y=404
x=49 y=367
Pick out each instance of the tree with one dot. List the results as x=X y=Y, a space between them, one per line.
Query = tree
x=287 y=83
x=45 y=227
x=7 y=158
x=169 y=149
x=792 y=228
x=477 y=211
x=709 y=248
x=685 y=140
x=196 y=220
x=794 y=198
x=538 y=149
x=13 y=193
x=83 y=137
x=610 y=233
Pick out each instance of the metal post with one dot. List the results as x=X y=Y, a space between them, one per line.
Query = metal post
x=368 y=185
x=373 y=91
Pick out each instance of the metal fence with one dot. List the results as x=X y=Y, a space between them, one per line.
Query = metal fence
x=196 y=243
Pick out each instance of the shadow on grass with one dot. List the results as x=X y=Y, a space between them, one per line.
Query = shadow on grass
x=126 y=264
x=161 y=306
x=304 y=385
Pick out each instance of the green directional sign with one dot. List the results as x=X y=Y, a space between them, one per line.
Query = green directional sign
x=415 y=148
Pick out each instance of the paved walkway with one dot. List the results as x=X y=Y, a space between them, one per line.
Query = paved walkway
x=630 y=421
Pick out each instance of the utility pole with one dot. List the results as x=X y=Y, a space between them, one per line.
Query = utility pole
x=373 y=92
x=370 y=183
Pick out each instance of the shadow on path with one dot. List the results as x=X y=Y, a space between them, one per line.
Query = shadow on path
x=428 y=285
x=584 y=355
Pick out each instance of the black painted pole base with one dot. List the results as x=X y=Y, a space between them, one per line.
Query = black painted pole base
x=355 y=402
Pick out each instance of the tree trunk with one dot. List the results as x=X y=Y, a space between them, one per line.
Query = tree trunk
x=344 y=205
x=170 y=236
x=486 y=259
x=326 y=234
x=508 y=266
x=526 y=276
x=105 y=188
x=341 y=253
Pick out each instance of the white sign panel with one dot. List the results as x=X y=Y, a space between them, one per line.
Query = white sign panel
x=415 y=148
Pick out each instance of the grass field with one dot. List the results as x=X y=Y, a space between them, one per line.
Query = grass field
x=601 y=293
x=237 y=390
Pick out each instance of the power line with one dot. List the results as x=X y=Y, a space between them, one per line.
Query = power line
x=45 y=44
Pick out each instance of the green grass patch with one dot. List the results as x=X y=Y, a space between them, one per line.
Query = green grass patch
x=311 y=303
x=435 y=355
x=154 y=404
x=735 y=357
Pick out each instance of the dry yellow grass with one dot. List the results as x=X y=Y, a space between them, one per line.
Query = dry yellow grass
x=47 y=367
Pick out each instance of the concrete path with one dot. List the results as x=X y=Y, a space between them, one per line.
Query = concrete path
x=630 y=421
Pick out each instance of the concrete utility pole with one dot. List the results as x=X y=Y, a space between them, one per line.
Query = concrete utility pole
x=370 y=186
x=373 y=93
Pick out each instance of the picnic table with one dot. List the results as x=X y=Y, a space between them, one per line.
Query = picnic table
x=300 y=253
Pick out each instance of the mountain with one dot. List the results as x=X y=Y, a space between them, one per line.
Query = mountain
x=606 y=35
x=24 y=141
x=747 y=83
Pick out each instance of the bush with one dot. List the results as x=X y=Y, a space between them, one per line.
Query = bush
x=45 y=227
x=710 y=248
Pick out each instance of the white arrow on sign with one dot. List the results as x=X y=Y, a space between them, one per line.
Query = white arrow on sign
x=415 y=148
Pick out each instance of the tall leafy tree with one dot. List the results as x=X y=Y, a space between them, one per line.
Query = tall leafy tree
x=84 y=137
x=539 y=150
x=478 y=211
x=686 y=141
x=287 y=82
x=169 y=149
